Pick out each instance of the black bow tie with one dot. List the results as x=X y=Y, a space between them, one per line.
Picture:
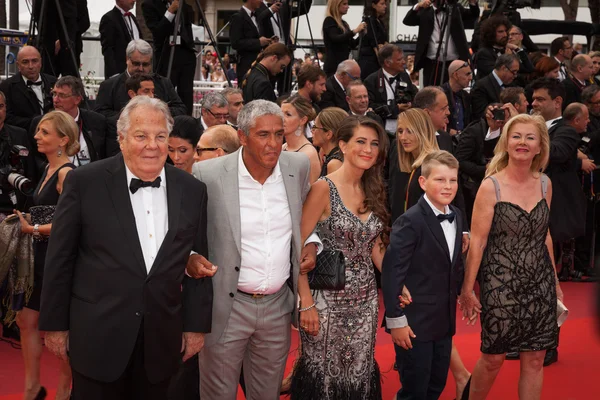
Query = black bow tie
x=138 y=183
x=32 y=83
x=252 y=14
x=394 y=79
x=446 y=217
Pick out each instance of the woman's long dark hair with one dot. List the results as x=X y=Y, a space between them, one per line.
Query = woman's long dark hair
x=372 y=180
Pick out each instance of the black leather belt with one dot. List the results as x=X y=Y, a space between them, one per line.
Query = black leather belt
x=253 y=295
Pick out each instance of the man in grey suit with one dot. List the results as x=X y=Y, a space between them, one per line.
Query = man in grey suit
x=254 y=212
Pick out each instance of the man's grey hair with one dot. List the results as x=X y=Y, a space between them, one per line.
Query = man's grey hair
x=505 y=60
x=72 y=83
x=140 y=46
x=426 y=98
x=345 y=66
x=517 y=28
x=229 y=91
x=124 y=122
x=214 y=99
x=254 y=110
x=589 y=92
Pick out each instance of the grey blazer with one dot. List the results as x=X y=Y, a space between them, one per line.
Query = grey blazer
x=224 y=227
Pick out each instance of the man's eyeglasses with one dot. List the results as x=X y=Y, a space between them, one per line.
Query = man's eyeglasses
x=352 y=77
x=514 y=72
x=199 y=150
x=138 y=64
x=62 y=96
x=217 y=116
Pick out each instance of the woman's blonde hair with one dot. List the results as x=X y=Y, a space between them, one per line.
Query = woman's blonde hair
x=303 y=107
x=418 y=122
x=64 y=125
x=540 y=161
x=333 y=11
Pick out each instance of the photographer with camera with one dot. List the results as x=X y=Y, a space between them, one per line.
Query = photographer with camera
x=391 y=90
x=487 y=90
x=17 y=166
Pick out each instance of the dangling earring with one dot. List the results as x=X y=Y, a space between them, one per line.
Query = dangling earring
x=298 y=132
x=59 y=151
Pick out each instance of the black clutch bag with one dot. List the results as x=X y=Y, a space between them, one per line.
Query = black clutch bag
x=330 y=271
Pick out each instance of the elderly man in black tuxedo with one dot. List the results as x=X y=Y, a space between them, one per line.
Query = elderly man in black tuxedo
x=247 y=37
x=117 y=28
x=335 y=95
x=160 y=17
x=487 y=90
x=97 y=136
x=112 y=95
x=116 y=296
x=28 y=91
x=431 y=18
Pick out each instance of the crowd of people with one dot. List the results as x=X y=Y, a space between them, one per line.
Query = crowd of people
x=168 y=257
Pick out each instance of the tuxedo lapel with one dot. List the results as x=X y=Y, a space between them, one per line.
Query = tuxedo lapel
x=174 y=196
x=121 y=23
x=231 y=197
x=116 y=185
x=249 y=20
x=434 y=226
x=458 y=241
x=28 y=93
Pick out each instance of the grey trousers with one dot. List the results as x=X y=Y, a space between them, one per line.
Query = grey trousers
x=257 y=335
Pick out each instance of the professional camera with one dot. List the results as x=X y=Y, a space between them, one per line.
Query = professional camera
x=12 y=173
x=402 y=95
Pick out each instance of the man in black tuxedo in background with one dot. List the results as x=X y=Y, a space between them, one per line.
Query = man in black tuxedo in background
x=487 y=90
x=116 y=296
x=246 y=36
x=97 y=136
x=118 y=27
x=582 y=69
x=357 y=98
x=431 y=19
x=274 y=19
x=384 y=85
x=112 y=94
x=495 y=41
x=160 y=16
x=335 y=95
x=459 y=100
x=270 y=63
x=27 y=92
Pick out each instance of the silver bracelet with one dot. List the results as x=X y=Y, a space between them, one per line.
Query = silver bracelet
x=307 y=308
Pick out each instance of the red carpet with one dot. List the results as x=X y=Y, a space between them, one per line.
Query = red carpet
x=574 y=377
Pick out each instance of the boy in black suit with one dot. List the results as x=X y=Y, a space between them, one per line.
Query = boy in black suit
x=424 y=255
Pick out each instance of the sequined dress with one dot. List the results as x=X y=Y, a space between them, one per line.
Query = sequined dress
x=339 y=363
x=516 y=277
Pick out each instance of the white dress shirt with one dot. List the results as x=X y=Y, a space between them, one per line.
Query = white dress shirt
x=449 y=229
x=151 y=216
x=38 y=90
x=500 y=83
x=253 y=18
x=83 y=156
x=131 y=26
x=438 y=21
x=390 y=124
x=266 y=227
x=562 y=70
x=552 y=122
x=275 y=22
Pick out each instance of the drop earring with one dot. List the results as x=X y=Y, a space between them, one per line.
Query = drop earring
x=298 y=132
x=59 y=154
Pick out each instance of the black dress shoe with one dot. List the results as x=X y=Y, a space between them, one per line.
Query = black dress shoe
x=513 y=355
x=41 y=395
x=551 y=357
x=466 y=390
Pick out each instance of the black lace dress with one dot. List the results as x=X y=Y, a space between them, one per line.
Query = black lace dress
x=339 y=363
x=45 y=201
x=335 y=154
x=516 y=278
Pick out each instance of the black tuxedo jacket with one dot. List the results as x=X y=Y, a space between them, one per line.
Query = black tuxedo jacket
x=100 y=135
x=162 y=29
x=376 y=87
x=22 y=105
x=470 y=151
x=112 y=96
x=258 y=85
x=573 y=89
x=96 y=285
x=465 y=97
x=418 y=257
x=245 y=39
x=114 y=37
x=485 y=92
x=567 y=212
x=486 y=58
x=424 y=19
x=338 y=44
x=286 y=13
x=335 y=96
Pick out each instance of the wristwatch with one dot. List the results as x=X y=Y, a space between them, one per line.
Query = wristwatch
x=36 y=230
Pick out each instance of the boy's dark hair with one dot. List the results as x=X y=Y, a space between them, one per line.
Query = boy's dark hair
x=439 y=157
